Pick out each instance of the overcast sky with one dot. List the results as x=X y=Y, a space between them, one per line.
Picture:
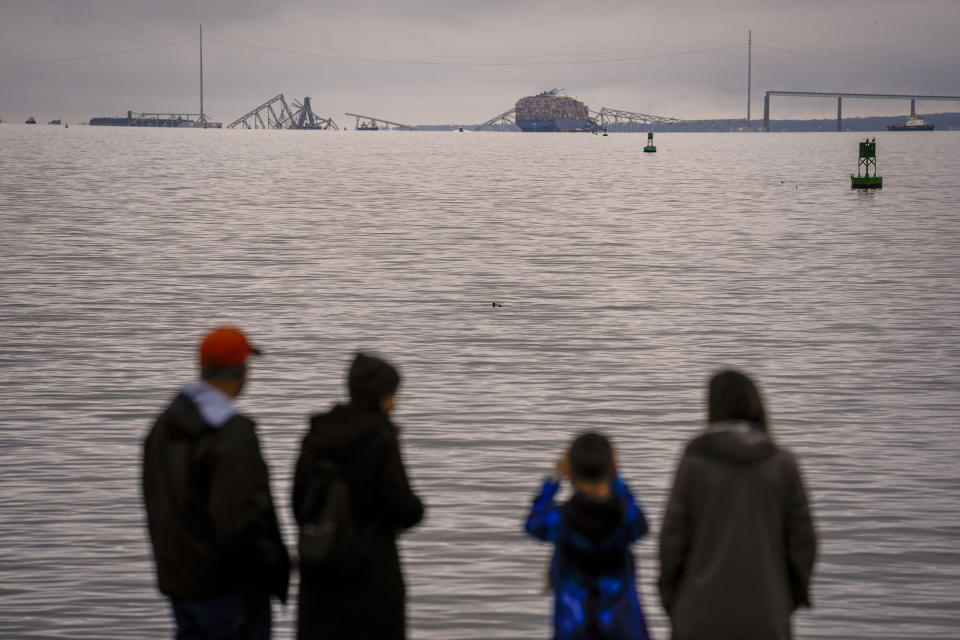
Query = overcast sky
x=458 y=61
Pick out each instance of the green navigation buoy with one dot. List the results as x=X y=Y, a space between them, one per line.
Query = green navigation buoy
x=868 y=158
x=604 y=131
x=650 y=148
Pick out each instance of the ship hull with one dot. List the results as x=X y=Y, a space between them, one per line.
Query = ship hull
x=555 y=124
x=907 y=127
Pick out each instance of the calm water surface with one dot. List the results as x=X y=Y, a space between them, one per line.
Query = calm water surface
x=625 y=279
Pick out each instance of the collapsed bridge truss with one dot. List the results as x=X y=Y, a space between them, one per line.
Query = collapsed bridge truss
x=607 y=118
x=275 y=113
x=369 y=123
x=506 y=121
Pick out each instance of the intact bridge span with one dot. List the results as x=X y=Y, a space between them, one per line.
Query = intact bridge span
x=841 y=95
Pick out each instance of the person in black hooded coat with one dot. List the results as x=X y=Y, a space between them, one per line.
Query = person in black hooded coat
x=362 y=440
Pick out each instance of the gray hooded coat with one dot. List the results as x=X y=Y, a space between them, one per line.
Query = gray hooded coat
x=738 y=544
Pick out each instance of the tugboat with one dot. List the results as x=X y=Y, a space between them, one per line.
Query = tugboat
x=913 y=123
x=31 y=120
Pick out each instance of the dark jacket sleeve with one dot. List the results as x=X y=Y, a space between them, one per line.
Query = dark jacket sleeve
x=636 y=520
x=301 y=477
x=801 y=537
x=241 y=508
x=401 y=507
x=675 y=536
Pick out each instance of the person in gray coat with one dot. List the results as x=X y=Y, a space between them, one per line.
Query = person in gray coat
x=737 y=545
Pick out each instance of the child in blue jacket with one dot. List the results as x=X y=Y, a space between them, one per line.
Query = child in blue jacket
x=592 y=569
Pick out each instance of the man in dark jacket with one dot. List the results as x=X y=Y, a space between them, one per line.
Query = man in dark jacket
x=737 y=545
x=216 y=541
x=362 y=441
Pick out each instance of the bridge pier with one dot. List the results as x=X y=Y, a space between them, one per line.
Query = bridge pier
x=839 y=112
x=766 y=112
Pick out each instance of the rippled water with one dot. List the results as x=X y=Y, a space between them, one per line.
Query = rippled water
x=625 y=279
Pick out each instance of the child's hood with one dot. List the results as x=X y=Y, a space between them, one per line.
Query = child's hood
x=594 y=518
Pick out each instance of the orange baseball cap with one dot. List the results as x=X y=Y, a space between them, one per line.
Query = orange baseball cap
x=225 y=346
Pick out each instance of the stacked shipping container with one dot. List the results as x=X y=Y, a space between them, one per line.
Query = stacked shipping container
x=549 y=106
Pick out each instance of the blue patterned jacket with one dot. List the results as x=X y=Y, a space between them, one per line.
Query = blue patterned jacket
x=592 y=570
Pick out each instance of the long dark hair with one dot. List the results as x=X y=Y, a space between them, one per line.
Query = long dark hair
x=733 y=396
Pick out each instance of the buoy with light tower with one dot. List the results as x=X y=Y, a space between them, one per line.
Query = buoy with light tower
x=868 y=160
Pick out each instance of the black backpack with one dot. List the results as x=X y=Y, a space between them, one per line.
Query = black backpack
x=331 y=542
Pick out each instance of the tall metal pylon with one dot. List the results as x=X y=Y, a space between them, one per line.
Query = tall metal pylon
x=203 y=117
x=749 y=69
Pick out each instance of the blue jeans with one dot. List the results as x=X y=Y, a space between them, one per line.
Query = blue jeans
x=236 y=616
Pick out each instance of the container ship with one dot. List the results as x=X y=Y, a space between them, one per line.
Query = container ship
x=549 y=111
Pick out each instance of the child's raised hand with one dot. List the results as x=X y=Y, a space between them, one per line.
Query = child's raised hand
x=562 y=469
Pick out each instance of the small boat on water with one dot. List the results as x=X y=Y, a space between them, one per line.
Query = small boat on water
x=54 y=122
x=31 y=120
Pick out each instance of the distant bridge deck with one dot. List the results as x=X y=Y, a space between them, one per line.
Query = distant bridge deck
x=841 y=95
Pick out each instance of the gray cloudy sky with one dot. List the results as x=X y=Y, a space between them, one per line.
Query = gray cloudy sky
x=458 y=61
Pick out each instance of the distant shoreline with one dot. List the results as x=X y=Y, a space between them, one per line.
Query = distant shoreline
x=943 y=121
x=949 y=121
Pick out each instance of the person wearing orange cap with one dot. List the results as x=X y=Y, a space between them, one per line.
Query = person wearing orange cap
x=216 y=540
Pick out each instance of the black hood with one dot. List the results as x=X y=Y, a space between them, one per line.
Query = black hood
x=371 y=380
x=733 y=445
x=184 y=419
x=338 y=433
x=593 y=518
x=596 y=520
